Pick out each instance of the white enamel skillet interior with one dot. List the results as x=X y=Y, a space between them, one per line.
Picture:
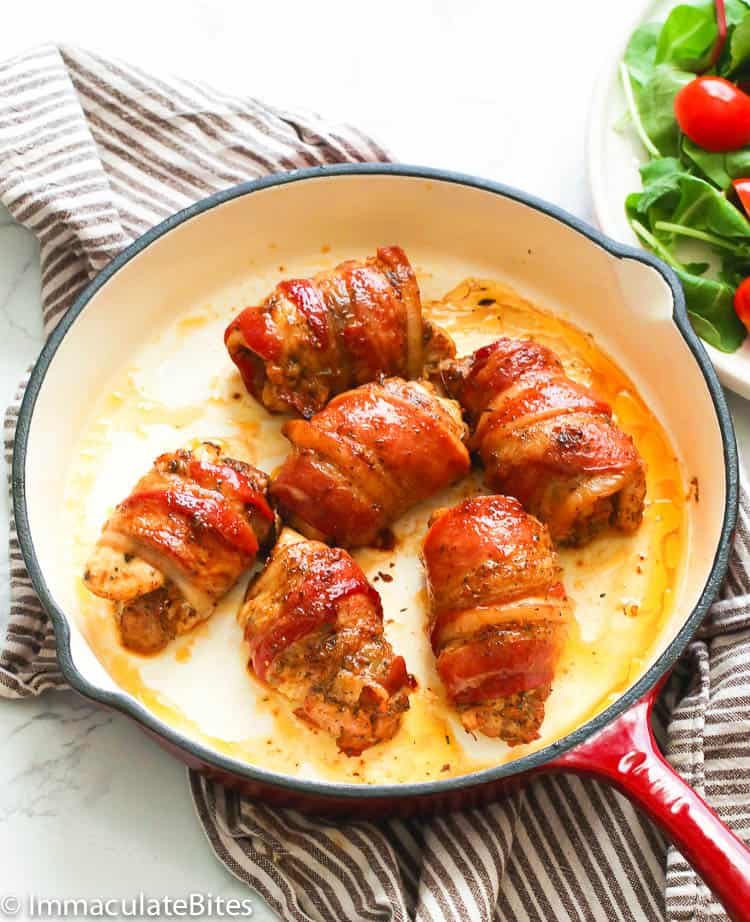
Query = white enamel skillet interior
x=627 y=299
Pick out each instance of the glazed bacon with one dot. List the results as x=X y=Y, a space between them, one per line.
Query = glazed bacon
x=314 y=625
x=372 y=454
x=548 y=441
x=178 y=543
x=313 y=338
x=499 y=614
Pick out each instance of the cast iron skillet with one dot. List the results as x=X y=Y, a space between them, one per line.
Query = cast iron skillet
x=617 y=745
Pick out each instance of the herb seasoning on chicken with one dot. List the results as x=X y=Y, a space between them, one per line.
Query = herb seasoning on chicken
x=548 y=441
x=314 y=338
x=178 y=543
x=499 y=614
x=314 y=625
x=371 y=455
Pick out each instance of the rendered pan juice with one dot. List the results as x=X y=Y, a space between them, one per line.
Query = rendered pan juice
x=181 y=388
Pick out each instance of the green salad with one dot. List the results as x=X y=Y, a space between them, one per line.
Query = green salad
x=685 y=82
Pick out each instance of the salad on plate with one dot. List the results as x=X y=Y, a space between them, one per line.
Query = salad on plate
x=687 y=85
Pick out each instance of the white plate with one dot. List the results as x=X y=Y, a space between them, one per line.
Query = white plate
x=613 y=159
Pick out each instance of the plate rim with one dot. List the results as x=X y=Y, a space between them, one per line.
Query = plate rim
x=347 y=791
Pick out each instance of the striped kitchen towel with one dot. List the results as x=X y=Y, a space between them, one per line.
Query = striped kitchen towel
x=93 y=152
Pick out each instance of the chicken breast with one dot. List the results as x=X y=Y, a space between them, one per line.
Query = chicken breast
x=314 y=338
x=548 y=440
x=371 y=455
x=498 y=614
x=178 y=543
x=314 y=626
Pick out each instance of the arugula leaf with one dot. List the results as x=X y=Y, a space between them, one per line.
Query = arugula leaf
x=661 y=177
x=688 y=37
x=734 y=268
x=735 y=10
x=660 y=196
x=655 y=101
x=640 y=55
x=651 y=90
x=710 y=334
x=661 y=169
x=737 y=163
x=711 y=310
x=672 y=195
x=710 y=301
x=739 y=46
x=704 y=208
x=720 y=169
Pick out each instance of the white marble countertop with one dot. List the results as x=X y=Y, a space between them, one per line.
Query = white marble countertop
x=88 y=805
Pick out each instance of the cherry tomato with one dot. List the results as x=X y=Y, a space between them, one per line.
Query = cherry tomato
x=742 y=188
x=742 y=303
x=714 y=113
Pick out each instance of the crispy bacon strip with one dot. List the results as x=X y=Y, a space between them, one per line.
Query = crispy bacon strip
x=373 y=453
x=499 y=614
x=313 y=338
x=548 y=441
x=178 y=543
x=314 y=626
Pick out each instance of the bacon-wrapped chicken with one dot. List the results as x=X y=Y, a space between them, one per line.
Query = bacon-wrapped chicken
x=314 y=625
x=499 y=614
x=313 y=338
x=548 y=441
x=373 y=453
x=178 y=543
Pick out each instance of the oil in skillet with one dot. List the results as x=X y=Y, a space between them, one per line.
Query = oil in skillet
x=137 y=420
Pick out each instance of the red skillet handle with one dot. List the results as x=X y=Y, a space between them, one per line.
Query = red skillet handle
x=626 y=755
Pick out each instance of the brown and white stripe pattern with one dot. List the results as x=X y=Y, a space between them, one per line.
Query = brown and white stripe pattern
x=563 y=848
x=92 y=153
